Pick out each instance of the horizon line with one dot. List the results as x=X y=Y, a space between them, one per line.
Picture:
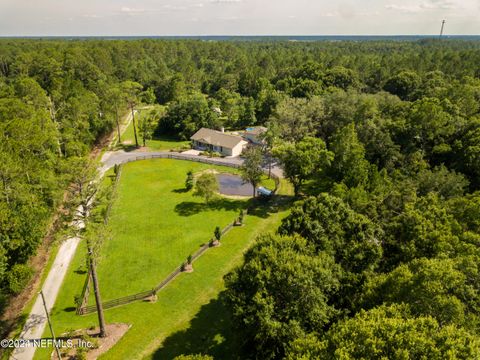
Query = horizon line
x=240 y=35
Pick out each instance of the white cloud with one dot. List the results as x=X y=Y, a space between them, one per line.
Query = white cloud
x=404 y=8
x=369 y=13
x=175 y=7
x=330 y=14
x=424 y=6
x=93 y=16
x=129 y=10
x=229 y=18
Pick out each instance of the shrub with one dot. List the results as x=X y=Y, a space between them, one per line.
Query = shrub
x=240 y=217
x=218 y=233
x=77 y=300
x=81 y=353
x=19 y=277
x=189 y=181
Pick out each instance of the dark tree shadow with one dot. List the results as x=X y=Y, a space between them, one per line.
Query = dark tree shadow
x=129 y=147
x=317 y=186
x=211 y=332
x=264 y=207
x=6 y=327
x=189 y=208
x=70 y=309
x=180 y=191
x=166 y=138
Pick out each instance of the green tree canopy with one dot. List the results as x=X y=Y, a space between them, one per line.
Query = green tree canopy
x=392 y=333
x=282 y=291
x=302 y=160
x=251 y=168
x=206 y=186
x=349 y=164
x=331 y=226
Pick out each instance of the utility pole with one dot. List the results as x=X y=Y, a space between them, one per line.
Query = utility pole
x=50 y=325
x=443 y=26
x=134 y=125
x=96 y=290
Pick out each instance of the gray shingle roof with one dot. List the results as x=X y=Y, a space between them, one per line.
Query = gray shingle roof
x=216 y=138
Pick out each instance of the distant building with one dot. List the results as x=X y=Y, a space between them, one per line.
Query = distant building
x=254 y=134
x=213 y=140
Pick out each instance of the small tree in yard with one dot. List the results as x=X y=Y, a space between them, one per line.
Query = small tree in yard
x=218 y=233
x=239 y=220
x=252 y=167
x=187 y=266
x=206 y=186
x=217 y=236
x=146 y=126
x=189 y=182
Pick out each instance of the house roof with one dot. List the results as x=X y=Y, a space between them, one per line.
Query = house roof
x=216 y=138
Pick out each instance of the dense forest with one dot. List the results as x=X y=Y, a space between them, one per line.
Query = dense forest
x=381 y=141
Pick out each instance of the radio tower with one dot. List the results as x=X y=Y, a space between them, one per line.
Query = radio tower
x=441 y=30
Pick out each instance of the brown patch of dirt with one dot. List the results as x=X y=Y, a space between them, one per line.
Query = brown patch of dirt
x=84 y=338
x=127 y=142
x=188 y=268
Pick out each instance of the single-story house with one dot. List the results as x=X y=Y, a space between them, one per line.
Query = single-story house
x=253 y=134
x=213 y=140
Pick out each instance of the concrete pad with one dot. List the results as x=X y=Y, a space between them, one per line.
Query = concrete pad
x=192 y=152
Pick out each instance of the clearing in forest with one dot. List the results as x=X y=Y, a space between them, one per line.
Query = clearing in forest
x=156 y=224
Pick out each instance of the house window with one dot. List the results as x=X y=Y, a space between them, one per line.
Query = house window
x=221 y=148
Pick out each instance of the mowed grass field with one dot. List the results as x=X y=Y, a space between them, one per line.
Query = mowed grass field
x=155 y=224
x=188 y=316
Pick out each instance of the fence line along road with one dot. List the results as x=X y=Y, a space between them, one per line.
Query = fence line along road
x=122 y=157
x=195 y=158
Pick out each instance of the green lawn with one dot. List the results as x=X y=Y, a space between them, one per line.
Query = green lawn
x=156 y=226
x=159 y=143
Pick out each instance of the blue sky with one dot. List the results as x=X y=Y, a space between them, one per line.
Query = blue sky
x=237 y=17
